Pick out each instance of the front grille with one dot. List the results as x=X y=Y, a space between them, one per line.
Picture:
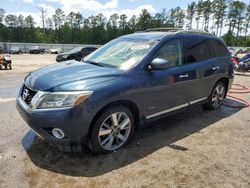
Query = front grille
x=28 y=94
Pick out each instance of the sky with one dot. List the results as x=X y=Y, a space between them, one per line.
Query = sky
x=89 y=7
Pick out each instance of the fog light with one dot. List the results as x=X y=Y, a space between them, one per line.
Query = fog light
x=58 y=133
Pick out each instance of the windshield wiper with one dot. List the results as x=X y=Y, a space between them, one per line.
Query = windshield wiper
x=99 y=64
x=95 y=63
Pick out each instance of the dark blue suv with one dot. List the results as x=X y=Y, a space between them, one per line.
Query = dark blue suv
x=128 y=82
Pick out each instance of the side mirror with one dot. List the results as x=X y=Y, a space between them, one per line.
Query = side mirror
x=159 y=64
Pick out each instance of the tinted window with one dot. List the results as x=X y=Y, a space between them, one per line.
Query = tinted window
x=172 y=52
x=218 y=48
x=195 y=50
x=88 y=49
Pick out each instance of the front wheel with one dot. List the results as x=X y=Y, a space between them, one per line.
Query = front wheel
x=112 y=130
x=217 y=97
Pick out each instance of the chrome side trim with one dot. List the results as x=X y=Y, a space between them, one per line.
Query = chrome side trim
x=175 y=108
x=168 y=110
x=198 y=100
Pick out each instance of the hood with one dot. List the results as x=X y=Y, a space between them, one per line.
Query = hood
x=64 y=53
x=69 y=73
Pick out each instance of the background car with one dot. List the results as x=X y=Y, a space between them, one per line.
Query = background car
x=15 y=50
x=5 y=62
x=77 y=54
x=232 y=50
x=1 y=49
x=55 y=50
x=36 y=50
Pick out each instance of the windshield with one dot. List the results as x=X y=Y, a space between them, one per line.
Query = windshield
x=14 y=48
x=76 y=49
x=34 y=47
x=121 y=53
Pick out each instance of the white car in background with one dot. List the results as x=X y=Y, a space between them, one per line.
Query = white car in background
x=55 y=50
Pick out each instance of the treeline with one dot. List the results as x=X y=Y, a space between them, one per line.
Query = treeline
x=217 y=16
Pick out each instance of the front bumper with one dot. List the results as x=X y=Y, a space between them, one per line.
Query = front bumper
x=70 y=120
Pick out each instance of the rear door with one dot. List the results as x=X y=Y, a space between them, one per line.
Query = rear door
x=216 y=67
x=198 y=55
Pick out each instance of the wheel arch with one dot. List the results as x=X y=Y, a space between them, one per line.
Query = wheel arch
x=126 y=103
x=225 y=81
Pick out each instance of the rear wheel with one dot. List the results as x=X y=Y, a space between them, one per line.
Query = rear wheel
x=112 y=130
x=217 y=97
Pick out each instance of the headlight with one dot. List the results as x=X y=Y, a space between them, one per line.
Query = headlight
x=43 y=100
x=65 y=56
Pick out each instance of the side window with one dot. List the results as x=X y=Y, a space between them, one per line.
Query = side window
x=195 y=50
x=218 y=48
x=172 y=52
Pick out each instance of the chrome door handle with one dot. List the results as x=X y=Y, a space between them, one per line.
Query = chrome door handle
x=216 y=68
x=183 y=76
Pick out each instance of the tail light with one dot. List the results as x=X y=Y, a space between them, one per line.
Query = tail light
x=233 y=60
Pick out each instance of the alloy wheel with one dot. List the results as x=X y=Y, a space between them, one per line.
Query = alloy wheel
x=218 y=95
x=114 y=131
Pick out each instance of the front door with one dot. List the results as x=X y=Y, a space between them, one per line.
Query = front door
x=170 y=89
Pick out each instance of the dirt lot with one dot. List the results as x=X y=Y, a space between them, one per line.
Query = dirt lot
x=194 y=148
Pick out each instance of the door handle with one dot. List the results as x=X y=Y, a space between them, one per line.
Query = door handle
x=216 y=68
x=183 y=76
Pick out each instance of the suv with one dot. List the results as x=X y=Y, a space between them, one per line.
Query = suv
x=36 y=50
x=77 y=54
x=126 y=83
x=15 y=50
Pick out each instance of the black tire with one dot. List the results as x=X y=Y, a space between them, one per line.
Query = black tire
x=212 y=104
x=10 y=67
x=95 y=140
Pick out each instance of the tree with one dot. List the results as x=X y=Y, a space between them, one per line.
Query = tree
x=97 y=24
x=58 y=19
x=29 y=22
x=161 y=19
x=20 y=21
x=177 y=16
x=123 y=25
x=30 y=28
x=144 y=20
x=235 y=15
x=49 y=23
x=240 y=17
x=214 y=15
x=190 y=14
x=206 y=11
x=2 y=12
x=132 y=24
x=220 y=7
x=112 y=26
x=198 y=11
x=11 y=20
x=43 y=16
x=247 y=19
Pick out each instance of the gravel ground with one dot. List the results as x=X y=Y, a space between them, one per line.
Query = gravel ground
x=194 y=148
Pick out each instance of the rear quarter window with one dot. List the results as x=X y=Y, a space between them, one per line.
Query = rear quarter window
x=195 y=50
x=219 y=49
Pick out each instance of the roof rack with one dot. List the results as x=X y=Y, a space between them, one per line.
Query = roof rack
x=193 y=32
x=167 y=29
x=178 y=30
